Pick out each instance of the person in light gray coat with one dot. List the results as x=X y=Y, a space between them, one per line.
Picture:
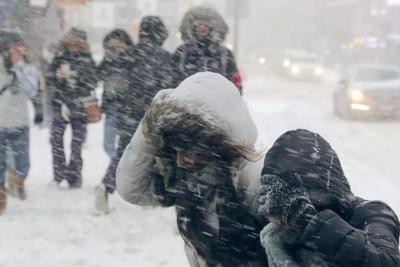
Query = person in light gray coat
x=195 y=150
x=18 y=84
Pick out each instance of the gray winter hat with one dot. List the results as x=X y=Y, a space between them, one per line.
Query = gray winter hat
x=9 y=37
x=205 y=16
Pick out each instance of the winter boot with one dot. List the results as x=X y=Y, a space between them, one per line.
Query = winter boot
x=16 y=185
x=101 y=199
x=3 y=200
x=20 y=186
x=9 y=175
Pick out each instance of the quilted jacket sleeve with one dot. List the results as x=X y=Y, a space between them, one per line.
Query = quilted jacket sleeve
x=374 y=244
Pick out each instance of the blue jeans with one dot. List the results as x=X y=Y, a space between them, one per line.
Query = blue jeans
x=17 y=140
x=125 y=135
x=110 y=141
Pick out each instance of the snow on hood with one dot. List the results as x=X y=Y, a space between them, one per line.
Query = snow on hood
x=206 y=112
x=206 y=16
x=153 y=28
x=221 y=99
x=316 y=162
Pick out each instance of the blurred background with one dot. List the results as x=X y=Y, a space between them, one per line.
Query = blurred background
x=331 y=66
x=336 y=30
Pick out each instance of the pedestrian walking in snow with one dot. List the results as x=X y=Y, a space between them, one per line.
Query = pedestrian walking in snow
x=203 y=30
x=18 y=84
x=151 y=72
x=316 y=219
x=72 y=74
x=194 y=150
x=114 y=70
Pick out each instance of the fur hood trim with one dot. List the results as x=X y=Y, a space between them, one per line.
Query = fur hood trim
x=205 y=101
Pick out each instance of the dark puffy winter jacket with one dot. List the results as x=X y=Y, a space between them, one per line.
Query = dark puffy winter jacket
x=83 y=83
x=115 y=73
x=347 y=230
x=205 y=55
x=151 y=70
x=114 y=70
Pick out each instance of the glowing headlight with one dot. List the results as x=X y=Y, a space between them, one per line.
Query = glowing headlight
x=262 y=60
x=356 y=95
x=295 y=69
x=318 y=71
x=286 y=63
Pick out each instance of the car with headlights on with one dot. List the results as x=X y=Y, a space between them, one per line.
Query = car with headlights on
x=301 y=65
x=368 y=91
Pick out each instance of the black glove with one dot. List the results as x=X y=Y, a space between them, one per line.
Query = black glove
x=329 y=201
x=38 y=118
x=284 y=200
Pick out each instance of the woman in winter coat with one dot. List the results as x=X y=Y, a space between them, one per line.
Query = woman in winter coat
x=151 y=71
x=18 y=84
x=193 y=153
x=203 y=30
x=72 y=74
x=316 y=219
x=114 y=71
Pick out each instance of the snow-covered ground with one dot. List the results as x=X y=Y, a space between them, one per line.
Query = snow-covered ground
x=57 y=227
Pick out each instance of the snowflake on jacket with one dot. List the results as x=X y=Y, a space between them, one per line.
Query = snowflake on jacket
x=318 y=219
x=115 y=69
x=203 y=30
x=216 y=205
x=199 y=56
x=151 y=70
x=80 y=84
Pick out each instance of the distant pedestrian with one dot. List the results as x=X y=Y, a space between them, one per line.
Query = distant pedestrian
x=151 y=72
x=18 y=84
x=72 y=74
x=203 y=30
x=114 y=70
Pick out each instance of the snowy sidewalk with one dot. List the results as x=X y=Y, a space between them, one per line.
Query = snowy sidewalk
x=57 y=227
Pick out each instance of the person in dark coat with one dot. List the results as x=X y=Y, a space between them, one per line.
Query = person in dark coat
x=72 y=74
x=316 y=219
x=151 y=72
x=203 y=30
x=114 y=71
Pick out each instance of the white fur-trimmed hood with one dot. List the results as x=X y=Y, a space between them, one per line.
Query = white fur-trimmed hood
x=217 y=101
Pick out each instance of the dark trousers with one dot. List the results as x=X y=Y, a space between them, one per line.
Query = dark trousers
x=125 y=135
x=72 y=172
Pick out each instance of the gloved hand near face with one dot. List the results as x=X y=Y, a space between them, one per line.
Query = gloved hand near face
x=284 y=200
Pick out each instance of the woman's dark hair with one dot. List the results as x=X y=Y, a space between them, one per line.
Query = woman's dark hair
x=190 y=131
x=75 y=37
x=120 y=35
